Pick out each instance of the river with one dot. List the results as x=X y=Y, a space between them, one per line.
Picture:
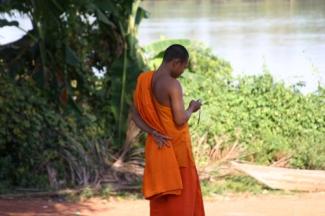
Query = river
x=286 y=36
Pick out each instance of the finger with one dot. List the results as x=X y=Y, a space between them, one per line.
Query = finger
x=158 y=143
x=159 y=135
x=166 y=143
x=163 y=142
x=166 y=137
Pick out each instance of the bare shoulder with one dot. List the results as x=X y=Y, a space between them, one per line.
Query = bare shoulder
x=174 y=85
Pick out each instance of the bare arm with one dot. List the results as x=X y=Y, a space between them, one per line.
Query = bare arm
x=160 y=139
x=140 y=123
x=181 y=116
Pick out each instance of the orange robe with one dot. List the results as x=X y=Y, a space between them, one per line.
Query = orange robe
x=170 y=178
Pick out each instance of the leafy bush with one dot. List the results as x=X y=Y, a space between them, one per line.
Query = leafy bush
x=275 y=121
x=40 y=144
x=59 y=120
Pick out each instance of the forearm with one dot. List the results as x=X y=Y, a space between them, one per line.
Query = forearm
x=188 y=113
x=186 y=116
x=140 y=123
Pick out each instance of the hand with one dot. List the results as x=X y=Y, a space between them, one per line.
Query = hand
x=195 y=105
x=160 y=139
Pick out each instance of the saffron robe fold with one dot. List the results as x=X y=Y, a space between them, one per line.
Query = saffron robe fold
x=188 y=203
x=170 y=178
x=161 y=173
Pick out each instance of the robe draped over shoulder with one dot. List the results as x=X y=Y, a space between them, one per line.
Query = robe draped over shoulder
x=170 y=180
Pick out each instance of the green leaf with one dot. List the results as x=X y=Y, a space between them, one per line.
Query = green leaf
x=100 y=14
x=103 y=18
x=141 y=13
x=4 y=22
x=71 y=57
x=156 y=48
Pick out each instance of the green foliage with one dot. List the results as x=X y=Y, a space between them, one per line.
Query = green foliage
x=87 y=193
x=106 y=191
x=275 y=121
x=4 y=22
x=28 y=134
x=236 y=184
x=58 y=118
x=34 y=138
x=70 y=40
x=156 y=49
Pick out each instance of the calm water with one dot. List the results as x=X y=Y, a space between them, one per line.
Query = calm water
x=286 y=35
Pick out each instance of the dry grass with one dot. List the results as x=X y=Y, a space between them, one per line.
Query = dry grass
x=213 y=154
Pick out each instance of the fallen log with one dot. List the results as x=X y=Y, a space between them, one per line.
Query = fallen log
x=284 y=178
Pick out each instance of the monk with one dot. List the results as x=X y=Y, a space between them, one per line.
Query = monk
x=170 y=180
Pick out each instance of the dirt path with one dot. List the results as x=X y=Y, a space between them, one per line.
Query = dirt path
x=263 y=205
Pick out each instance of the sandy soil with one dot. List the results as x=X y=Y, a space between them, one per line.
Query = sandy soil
x=310 y=204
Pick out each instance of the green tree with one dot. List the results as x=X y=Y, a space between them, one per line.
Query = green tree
x=51 y=71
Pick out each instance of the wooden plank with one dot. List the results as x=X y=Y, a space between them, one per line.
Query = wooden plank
x=284 y=178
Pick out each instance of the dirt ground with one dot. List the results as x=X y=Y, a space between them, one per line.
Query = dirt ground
x=307 y=204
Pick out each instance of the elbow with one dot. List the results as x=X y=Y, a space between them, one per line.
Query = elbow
x=133 y=113
x=180 y=121
x=132 y=116
x=135 y=117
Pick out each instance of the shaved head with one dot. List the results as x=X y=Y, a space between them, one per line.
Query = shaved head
x=175 y=51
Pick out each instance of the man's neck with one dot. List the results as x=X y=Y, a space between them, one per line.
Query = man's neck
x=163 y=70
